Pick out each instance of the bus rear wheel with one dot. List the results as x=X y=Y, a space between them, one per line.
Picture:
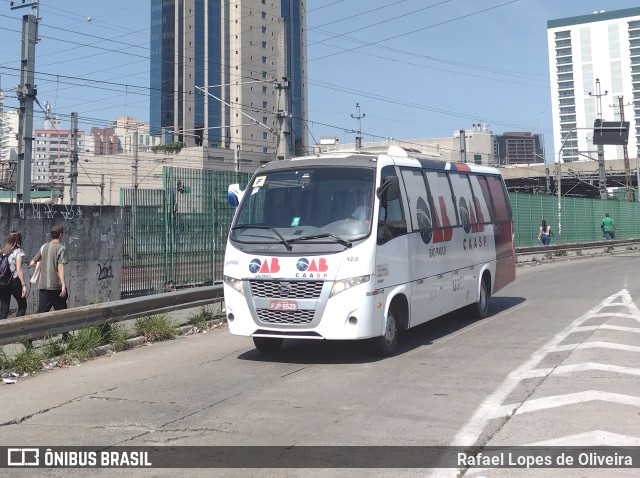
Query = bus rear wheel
x=481 y=308
x=386 y=344
x=268 y=345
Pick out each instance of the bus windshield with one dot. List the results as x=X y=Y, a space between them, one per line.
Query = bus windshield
x=307 y=206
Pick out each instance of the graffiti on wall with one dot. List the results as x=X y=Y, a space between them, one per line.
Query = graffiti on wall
x=50 y=211
x=105 y=271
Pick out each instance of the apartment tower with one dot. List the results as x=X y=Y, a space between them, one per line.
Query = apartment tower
x=602 y=46
x=249 y=56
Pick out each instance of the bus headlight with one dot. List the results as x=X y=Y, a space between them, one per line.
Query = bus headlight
x=344 y=284
x=235 y=284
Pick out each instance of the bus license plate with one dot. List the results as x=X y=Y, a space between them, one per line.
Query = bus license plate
x=283 y=305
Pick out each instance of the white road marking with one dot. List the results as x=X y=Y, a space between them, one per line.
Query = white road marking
x=581 y=367
x=472 y=430
x=556 y=401
x=592 y=438
x=596 y=345
x=617 y=328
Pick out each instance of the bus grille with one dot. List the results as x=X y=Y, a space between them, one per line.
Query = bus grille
x=297 y=289
x=294 y=317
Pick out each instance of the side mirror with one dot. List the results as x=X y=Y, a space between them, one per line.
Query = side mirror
x=389 y=190
x=234 y=193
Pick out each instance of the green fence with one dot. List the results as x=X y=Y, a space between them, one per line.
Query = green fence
x=176 y=237
x=581 y=218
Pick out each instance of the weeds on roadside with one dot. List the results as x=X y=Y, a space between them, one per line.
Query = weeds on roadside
x=156 y=328
x=560 y=253
x=27 y=360
x=201 y=319
x=115 y=335
x=82 y=344
x=5 y=361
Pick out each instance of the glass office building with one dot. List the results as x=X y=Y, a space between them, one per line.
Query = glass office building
x=239 y=52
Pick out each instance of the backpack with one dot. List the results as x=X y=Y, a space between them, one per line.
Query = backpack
x=5 y=271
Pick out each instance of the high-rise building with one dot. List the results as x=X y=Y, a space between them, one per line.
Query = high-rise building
x=602 y=47
x=519 y=148
x=249 y=56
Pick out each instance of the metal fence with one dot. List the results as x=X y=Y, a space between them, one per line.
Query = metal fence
x=581 y=218
x=176 y=237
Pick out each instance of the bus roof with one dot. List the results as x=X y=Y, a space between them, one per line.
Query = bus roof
x=369 y=158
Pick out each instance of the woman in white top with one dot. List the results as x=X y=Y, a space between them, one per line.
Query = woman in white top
x=17 y=286
x=544 y=234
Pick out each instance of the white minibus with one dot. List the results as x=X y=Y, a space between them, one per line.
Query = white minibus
x=353 y=245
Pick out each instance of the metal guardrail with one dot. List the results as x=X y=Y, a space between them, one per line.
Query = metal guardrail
x=17 y=329
x=34 y=326
x=576 y=246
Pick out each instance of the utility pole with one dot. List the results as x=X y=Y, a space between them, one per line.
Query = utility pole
x=135 y=162
x=26 y=96
x=73 y=196
x=358 y=131
x=602 y=184
x=282 y=86
x=134 y=207
x=102 y=189
x=463 y=146
x=282 y=115
x=625 y=150
x=236 y=160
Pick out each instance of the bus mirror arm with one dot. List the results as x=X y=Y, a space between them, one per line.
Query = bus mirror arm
x=234 y=193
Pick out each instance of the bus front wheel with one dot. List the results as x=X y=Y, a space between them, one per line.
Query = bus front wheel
x=268 y=345
x=387 y=343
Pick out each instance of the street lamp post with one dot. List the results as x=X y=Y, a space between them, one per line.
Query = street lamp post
x=559 y=181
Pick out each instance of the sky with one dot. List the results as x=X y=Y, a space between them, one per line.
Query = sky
x=416 y=68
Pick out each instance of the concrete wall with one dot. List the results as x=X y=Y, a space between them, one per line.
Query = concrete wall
x=93 y=237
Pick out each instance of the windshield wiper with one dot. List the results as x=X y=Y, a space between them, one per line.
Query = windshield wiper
x=338 y=239
x=255 y=226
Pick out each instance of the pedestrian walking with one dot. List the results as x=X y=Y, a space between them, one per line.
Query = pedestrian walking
x=52 y=286
x=544 y=234
x=11 y=277
x=608 y=227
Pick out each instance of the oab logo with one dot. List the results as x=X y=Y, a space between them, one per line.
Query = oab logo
x=312 y=269
x=266 y=267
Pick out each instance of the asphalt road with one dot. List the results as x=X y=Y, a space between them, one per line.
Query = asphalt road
x=557 y=362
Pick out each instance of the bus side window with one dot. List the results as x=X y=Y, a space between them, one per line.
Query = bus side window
x=391 y=220
x=500 y=201
x=486 y=195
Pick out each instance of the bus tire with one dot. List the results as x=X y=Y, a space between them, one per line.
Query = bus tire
x=386 y=344
x=268 y=345
x=481 y=308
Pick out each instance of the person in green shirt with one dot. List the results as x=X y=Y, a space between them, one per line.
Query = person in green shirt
x=608 y=227
x=52 y=285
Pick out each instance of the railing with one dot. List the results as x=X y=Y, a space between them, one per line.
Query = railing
x=17 y=329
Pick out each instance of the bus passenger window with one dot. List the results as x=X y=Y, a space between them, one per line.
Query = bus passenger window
x=391 y=220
